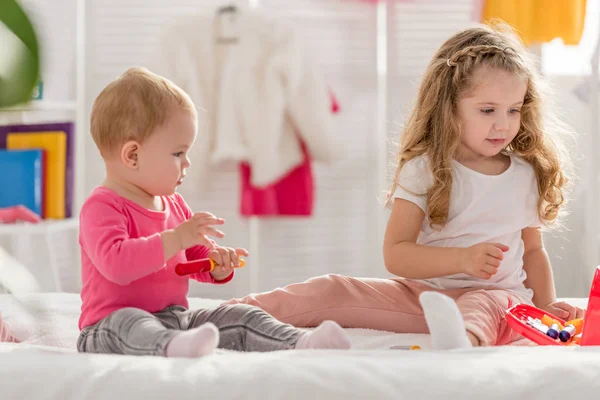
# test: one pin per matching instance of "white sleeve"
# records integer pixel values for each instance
(532, 216)
(532, 207)
(414, 181)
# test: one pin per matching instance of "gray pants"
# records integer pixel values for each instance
(137, 332)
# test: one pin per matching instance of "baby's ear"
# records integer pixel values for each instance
(129, 154)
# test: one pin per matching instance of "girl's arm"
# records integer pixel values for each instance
(403, 257)
(537, 265)
(539, 276)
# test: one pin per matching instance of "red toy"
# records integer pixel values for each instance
(591, 325)
(196, 266)
(519, 315)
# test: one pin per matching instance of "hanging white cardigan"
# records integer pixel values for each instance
(258, 93)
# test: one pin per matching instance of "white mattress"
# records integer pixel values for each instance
(47, 366)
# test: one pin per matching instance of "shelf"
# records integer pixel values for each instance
(42, 105)
(43, 227)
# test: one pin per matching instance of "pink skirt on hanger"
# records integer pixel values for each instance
(292, 195)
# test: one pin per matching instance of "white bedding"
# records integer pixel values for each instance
(47, 366)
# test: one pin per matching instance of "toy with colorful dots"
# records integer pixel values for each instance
(546, 329)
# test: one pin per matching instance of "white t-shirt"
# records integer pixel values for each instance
(483, 209)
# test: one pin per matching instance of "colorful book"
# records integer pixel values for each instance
(55, 145)
(69, 129)
(21, 179)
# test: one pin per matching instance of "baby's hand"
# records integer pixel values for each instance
(482, 260)
(226, 258)
(195, 231)
(564, 310)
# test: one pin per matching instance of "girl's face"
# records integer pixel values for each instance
(490, 112)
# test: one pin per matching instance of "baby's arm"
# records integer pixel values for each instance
(403, 257)
(197, 253)
(191, 234)
(204, 250)
(105, 240)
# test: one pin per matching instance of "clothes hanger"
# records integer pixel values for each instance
(227, 24)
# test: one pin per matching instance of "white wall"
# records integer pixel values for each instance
(566, 247)
(343, 236)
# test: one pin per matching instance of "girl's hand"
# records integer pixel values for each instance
(482, 260)
(226, 258)
(564, 310)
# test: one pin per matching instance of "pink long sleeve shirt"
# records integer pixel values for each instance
(122, 258)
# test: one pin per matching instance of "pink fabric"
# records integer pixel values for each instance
(10, 215)
(383, 1)
(335, 104)
(292, 195)
(384, 304)
(5, 335)
(122, 257)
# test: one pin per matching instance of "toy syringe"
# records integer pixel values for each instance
(197, 266)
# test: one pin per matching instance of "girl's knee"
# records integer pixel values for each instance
(328, 282)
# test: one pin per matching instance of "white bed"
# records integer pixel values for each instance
(46, 366)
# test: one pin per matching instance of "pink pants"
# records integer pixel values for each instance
(385, 304)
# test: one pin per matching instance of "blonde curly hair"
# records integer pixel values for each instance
(434, 129)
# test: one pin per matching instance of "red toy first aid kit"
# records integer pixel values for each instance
(546, 329)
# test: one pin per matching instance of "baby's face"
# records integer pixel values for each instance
(163, 158)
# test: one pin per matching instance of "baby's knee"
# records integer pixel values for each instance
(124, 316)
(239, 311)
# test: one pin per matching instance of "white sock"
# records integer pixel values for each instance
(445, 322)
(328, 335)
(196, 342)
